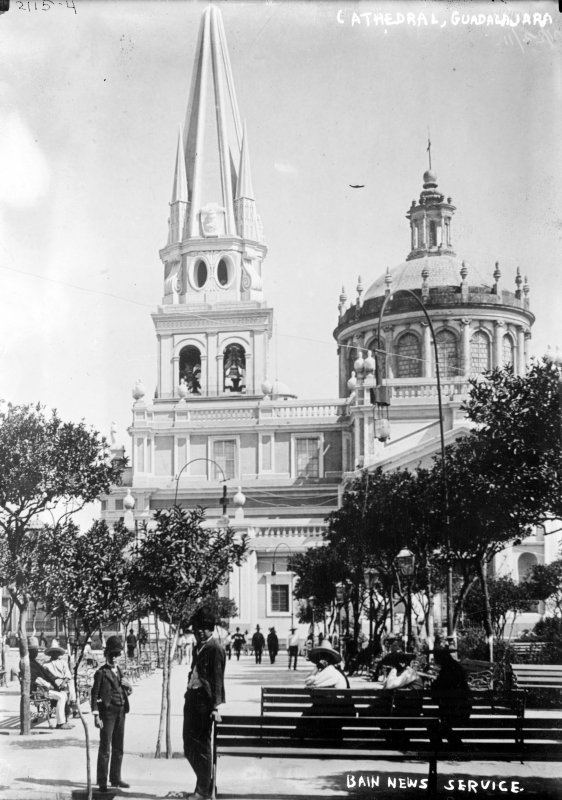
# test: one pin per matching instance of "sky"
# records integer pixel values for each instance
(90, 103)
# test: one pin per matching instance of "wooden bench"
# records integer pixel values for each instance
(371, 738)
(349, 738)
(284, 700)
(537, 676)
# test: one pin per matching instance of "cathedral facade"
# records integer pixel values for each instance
(218, 418)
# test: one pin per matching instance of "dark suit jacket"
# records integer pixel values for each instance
(107, 686)
(210, 661)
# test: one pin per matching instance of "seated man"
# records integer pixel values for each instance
(60, 671)
(41, 679)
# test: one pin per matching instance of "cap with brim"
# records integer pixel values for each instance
(114, 644)
(325, 651)
(55, 651)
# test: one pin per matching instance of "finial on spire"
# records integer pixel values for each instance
(429, 147)
(341, 304)
(464, 271)
(360, 291)
(388, 280)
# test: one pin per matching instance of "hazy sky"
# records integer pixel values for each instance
(90, 104)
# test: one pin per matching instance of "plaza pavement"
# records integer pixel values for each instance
(51, 764)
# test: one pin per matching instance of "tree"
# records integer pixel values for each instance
(181, 561)
(507, 598)
(544, 583)
(85, 580)
(43, 462)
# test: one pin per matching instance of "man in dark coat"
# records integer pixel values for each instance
(258, 643)
(205, 692)
(451, 691)
(272, 645)
(110, 703)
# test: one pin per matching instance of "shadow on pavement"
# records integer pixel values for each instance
(51, 743)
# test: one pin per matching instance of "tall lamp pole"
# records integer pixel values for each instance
(445, 485)
(405, 565)
(370, 573)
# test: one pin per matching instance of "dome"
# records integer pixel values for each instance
(430, 177)
(442, 270)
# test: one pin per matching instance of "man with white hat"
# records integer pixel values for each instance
(42, 679)
(59, 669)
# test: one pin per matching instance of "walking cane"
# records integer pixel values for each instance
(214, 768)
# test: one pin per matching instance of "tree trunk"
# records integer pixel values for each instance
(25, 671)
(429, 617)
(83, 720)
(171, 653)
(488, 627)
(164, 701)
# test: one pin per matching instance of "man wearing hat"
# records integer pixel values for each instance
(59, 669)
(258, 643)
(293, 647)
(205, 692)
(110, 703)
(40, 678)
(272, 645)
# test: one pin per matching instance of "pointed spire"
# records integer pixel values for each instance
(244, 187)
(179, 190)
(180, 198)
(360, 290)
(343, 300)
(518, 282)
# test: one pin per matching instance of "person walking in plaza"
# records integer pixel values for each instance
(293, 647)
(272, 645)
(205, 692)
(238, 642)
(258, 643)
(131, 644)
(110, 704)
(42, 679)
(450, 690)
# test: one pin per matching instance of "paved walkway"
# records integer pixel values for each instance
(51, 765)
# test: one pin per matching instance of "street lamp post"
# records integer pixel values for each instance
(312, 604)
(370, 574)
(405, 565)
(273, 573)
(445, 485)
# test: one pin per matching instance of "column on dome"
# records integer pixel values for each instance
(519, 364)
(499, 326)
(526, 349)
(465, 355)
(427, 351)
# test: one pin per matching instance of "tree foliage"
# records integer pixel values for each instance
(43, 462)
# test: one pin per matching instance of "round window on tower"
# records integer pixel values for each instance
(200, 274)
(224, 272)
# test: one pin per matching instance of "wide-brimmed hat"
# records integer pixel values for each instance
(325, 651)
(113, 644)
(55, 651)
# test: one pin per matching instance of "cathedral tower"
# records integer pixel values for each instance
(213, 326)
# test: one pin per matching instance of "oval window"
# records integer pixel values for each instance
(222, 272)
(200, 274)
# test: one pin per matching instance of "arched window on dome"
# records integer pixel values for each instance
(408, 361)
(479, 353)
(190, 368)
(234, 368)
(447, 349)
(508, 359)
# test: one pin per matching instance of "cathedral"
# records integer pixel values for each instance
(219, 431)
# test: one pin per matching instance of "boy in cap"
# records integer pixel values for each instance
(110, 703)
(205, 692)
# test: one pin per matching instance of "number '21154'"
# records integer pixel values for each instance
(44, 5)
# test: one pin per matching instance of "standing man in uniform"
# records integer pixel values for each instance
(110, 703)
(272, 645)
(205, 692)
